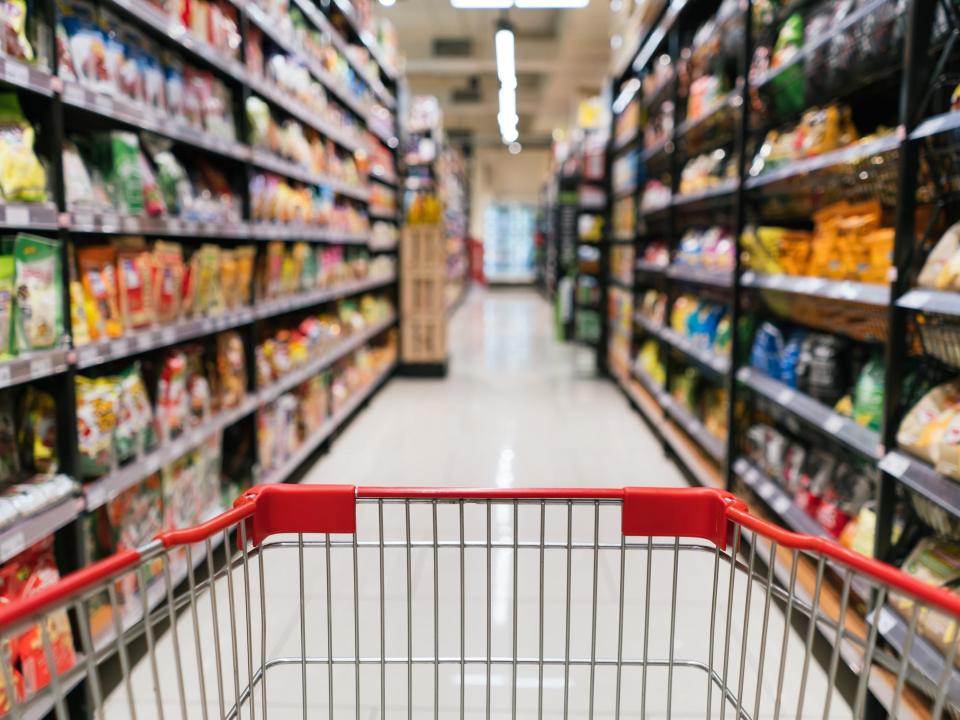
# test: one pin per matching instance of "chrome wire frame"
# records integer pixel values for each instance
(486, 608)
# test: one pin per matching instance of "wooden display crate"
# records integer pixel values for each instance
(424, 339)
(423, 248)
(423, 294)
(423, 280)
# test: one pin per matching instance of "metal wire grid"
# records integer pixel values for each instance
(492, 609)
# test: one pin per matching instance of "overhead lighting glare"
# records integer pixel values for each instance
(515, 148)
(510, 136)
(630, 89)
(504, 42)
(388, 3)
(482, 4)
(551, 4)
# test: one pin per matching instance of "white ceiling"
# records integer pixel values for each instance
(562, 58)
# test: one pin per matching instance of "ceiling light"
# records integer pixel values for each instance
(627, 94)
(505, 45)
(388, 3)
(510, 136)
(482, 4)
(514, 148)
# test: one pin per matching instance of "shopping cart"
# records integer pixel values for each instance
(337, 602)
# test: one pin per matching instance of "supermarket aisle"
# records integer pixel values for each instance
(518, 409)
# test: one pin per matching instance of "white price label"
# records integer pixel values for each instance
(16, 73)
(4, 375)
(12, 545)
(751, 477)
(885, 620)
(130, 224)
(109, 221)
(119, 347)
(173, 225)
(780, 504)
(82, 219)
(895, 464)
(17, 215)
(144, 341)
(785, 396)
(96, 496)
(775, 281)
(41, 366)
(103, 102)
(168, 336)
(73, 94)
(152, 463)
(919, 298)
(834, 424)
(765, 491)
(87, 355)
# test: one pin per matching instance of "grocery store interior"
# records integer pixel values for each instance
(480, 358)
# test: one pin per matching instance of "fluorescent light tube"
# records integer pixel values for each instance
(551, 4)
(482, 4)
(506, 59)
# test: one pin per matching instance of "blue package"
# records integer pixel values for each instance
(790, 358)
(767, 349)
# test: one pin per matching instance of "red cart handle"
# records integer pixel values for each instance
(646, 512)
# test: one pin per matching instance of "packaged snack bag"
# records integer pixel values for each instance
(76, 178)
(135, 419)
(922, 430)
(98, 275)
(231, 367)
(125, 172)
(939, 271)
(6, 303)
(173, 402)
(38, 308)
(98, 408)
(38, 432)
(134, 275)
(167, 281)
(128, 521)
(22, 177)
(868, 394)
(9, 447)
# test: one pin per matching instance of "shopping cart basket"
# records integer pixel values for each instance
(343, 602)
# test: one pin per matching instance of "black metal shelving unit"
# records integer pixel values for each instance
(64, 106)
(920, 152)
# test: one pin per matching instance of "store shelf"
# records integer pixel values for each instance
(836, 31)
(659, 33)
(846, 290)
(175, 33)
(283, 471)
(649, 153)
(279, 306)
(618, 194)
(937, 302)
(700, 275)
(621, 283)
(28, 216)
(26, 76)
(385, 178)
(297, 232)
(720, 190)
(140, 341)
(777, 499)
(729, 100)
(650, 268)
(936, 125)
(341, 349)
(31, 530)
(379, 214)
(625, 143)
(33, 366)
(843, 156)
(923, 479)
(290, 169)
(924, 656)
(139, 116)
(100, 491)
(653, 210)
(712, 445)
(111, 223)
(271, 92)
(705, 359)
(852, 435)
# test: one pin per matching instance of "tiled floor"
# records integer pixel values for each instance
(518, 410)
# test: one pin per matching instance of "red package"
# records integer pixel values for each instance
(831, 517)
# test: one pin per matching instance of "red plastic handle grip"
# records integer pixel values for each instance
(299, 509)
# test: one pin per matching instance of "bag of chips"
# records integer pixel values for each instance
(38, 308)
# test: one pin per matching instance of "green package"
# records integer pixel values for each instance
(6, 303)
(868, 394)
(127, 180)
(789, 85)
(38, 303)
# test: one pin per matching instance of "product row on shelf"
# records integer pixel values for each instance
(201, 207)
(782, 300)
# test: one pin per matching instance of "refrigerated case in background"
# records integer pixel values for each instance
(508, 243)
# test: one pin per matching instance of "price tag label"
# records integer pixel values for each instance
(144, 341)
(152, 463)
(834, 424)
(774, 281)
(130, 224)
(894, 464)
(173, 225)
(785, 396)
(96, 496)
(751, 477)
(41, 366)
(4, 375)
(17, 215)
(919, 299)
(73, 94)
(104, 103)
(82, 219)
(16, 73)
(12, 545)
(119, 348)
(765, 491)
(885, 620)
(87, 355)
(168, 336)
